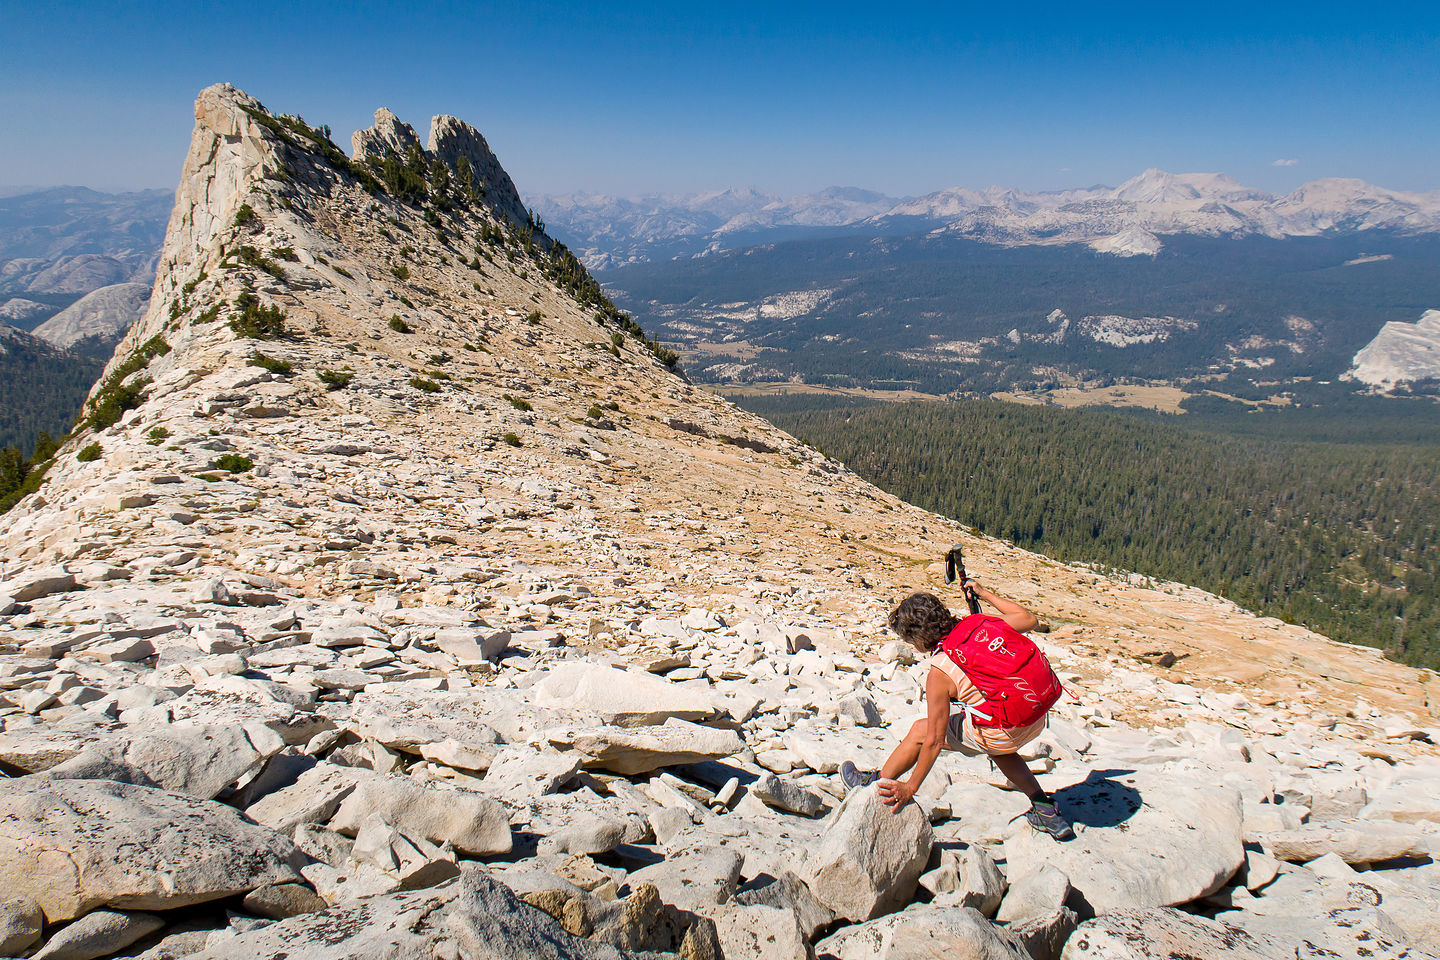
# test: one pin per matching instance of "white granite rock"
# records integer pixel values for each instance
(521, 772)
(696, 879)
(785, 794)
(622, 697)
(762, 933)
(923, 932)
(99, 934)
(1163, 934)
(198, 759)
(869, 857)
(473, 823)
(21, 921)
(1144, 840)
(1355, 841)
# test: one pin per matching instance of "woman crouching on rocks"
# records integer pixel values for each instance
(1003, 684)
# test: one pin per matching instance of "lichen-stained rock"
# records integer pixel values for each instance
(696, 879)
(1147, 840)
(473, 823)
(1164, 934)
(74, 845)
(626, 698)
(762, 933)
(1352, 932)
(640, 921)
(632, 751)
(924, 933)
(471, 918)
(869, 857)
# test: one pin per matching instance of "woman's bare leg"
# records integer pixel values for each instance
(1016, 772)
(903, 757)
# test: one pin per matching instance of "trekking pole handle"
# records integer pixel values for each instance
(955, 570)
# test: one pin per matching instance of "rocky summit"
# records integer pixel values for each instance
(396, 599)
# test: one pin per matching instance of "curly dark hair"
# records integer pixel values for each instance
(922, 620)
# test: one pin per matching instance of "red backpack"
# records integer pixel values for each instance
(1006, 666)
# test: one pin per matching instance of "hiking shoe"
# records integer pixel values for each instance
(853, 777)
(1046, 818)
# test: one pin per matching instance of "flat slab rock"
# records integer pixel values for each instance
(37, 748)
(198, 759)
(74, 845)
(1148, 840)
(473, 823)
(408, 720)
(633, 751)
(623, 697)
(1355, 841)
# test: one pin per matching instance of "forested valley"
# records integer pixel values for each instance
(1338, 537)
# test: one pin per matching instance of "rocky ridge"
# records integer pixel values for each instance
(507, 641)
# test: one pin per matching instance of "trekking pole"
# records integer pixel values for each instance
(955, 569)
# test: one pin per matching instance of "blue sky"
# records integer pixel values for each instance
(626, 97)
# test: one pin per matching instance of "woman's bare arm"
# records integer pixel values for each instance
(1011, 612)
(937, 719)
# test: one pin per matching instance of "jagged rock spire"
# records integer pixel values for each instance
(451, 139)
(389, 135)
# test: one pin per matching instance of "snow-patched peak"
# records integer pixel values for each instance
(1343, 194)
(1158, 187)
(832, 206)
(942, 204)
(1154, 204)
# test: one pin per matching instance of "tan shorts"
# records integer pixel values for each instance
(955, 738)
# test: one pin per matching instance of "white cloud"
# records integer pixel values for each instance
(1285, 163)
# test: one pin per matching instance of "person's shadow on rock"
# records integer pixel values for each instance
(1102, 799)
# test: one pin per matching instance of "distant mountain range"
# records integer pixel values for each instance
(76, 267)
(1129, 220)
(71, 240)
